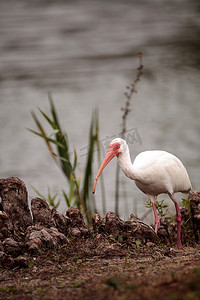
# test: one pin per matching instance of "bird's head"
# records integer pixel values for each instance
(116, 147)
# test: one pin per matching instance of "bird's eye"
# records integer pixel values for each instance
(117, 145)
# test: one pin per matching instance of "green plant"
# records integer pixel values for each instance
(161, 208)
(186, 203)
(127, 262)
(58, 145)
(51, 199)
(30, 263)
(120, 238)
(138, 243)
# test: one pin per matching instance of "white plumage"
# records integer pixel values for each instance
(154, 172)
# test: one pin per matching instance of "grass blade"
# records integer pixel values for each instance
(62, 139)
(46, 138)
(88, 169)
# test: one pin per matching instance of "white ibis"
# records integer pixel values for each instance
(154, 172)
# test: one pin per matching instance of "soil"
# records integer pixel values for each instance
(74, 272)
(47, 255)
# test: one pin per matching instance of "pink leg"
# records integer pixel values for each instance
(156, 217)
(178, 219)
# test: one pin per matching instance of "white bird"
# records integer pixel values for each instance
(154, 172)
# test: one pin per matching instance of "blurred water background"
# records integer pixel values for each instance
(85, 53)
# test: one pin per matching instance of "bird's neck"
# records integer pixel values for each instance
(126, 165)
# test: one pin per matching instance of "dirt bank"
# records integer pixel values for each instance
(47, 255)
(149, 272)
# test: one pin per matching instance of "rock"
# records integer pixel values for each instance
(42, 215)
(185, 216)
(40, 239)
(1, 246)
(98, 224)
(164, 231)
(195, 212)
(134, 217)
(59, 237)
(34, 247)
(37, 240)
(129, 231)
(21, 262)
(113, 224)
(47, 216)
(75, 223)
(5, 260)
(113, 236)
(12, 247)
(187, 233)
(138, 231)
(59, 220)
(15, 204)
(3, 255)
(6, 227)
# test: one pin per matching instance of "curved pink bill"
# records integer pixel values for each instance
(106, 160)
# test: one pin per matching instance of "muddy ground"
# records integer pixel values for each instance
(47, 255)
(146, 272)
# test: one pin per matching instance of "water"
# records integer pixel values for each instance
(84, 52)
